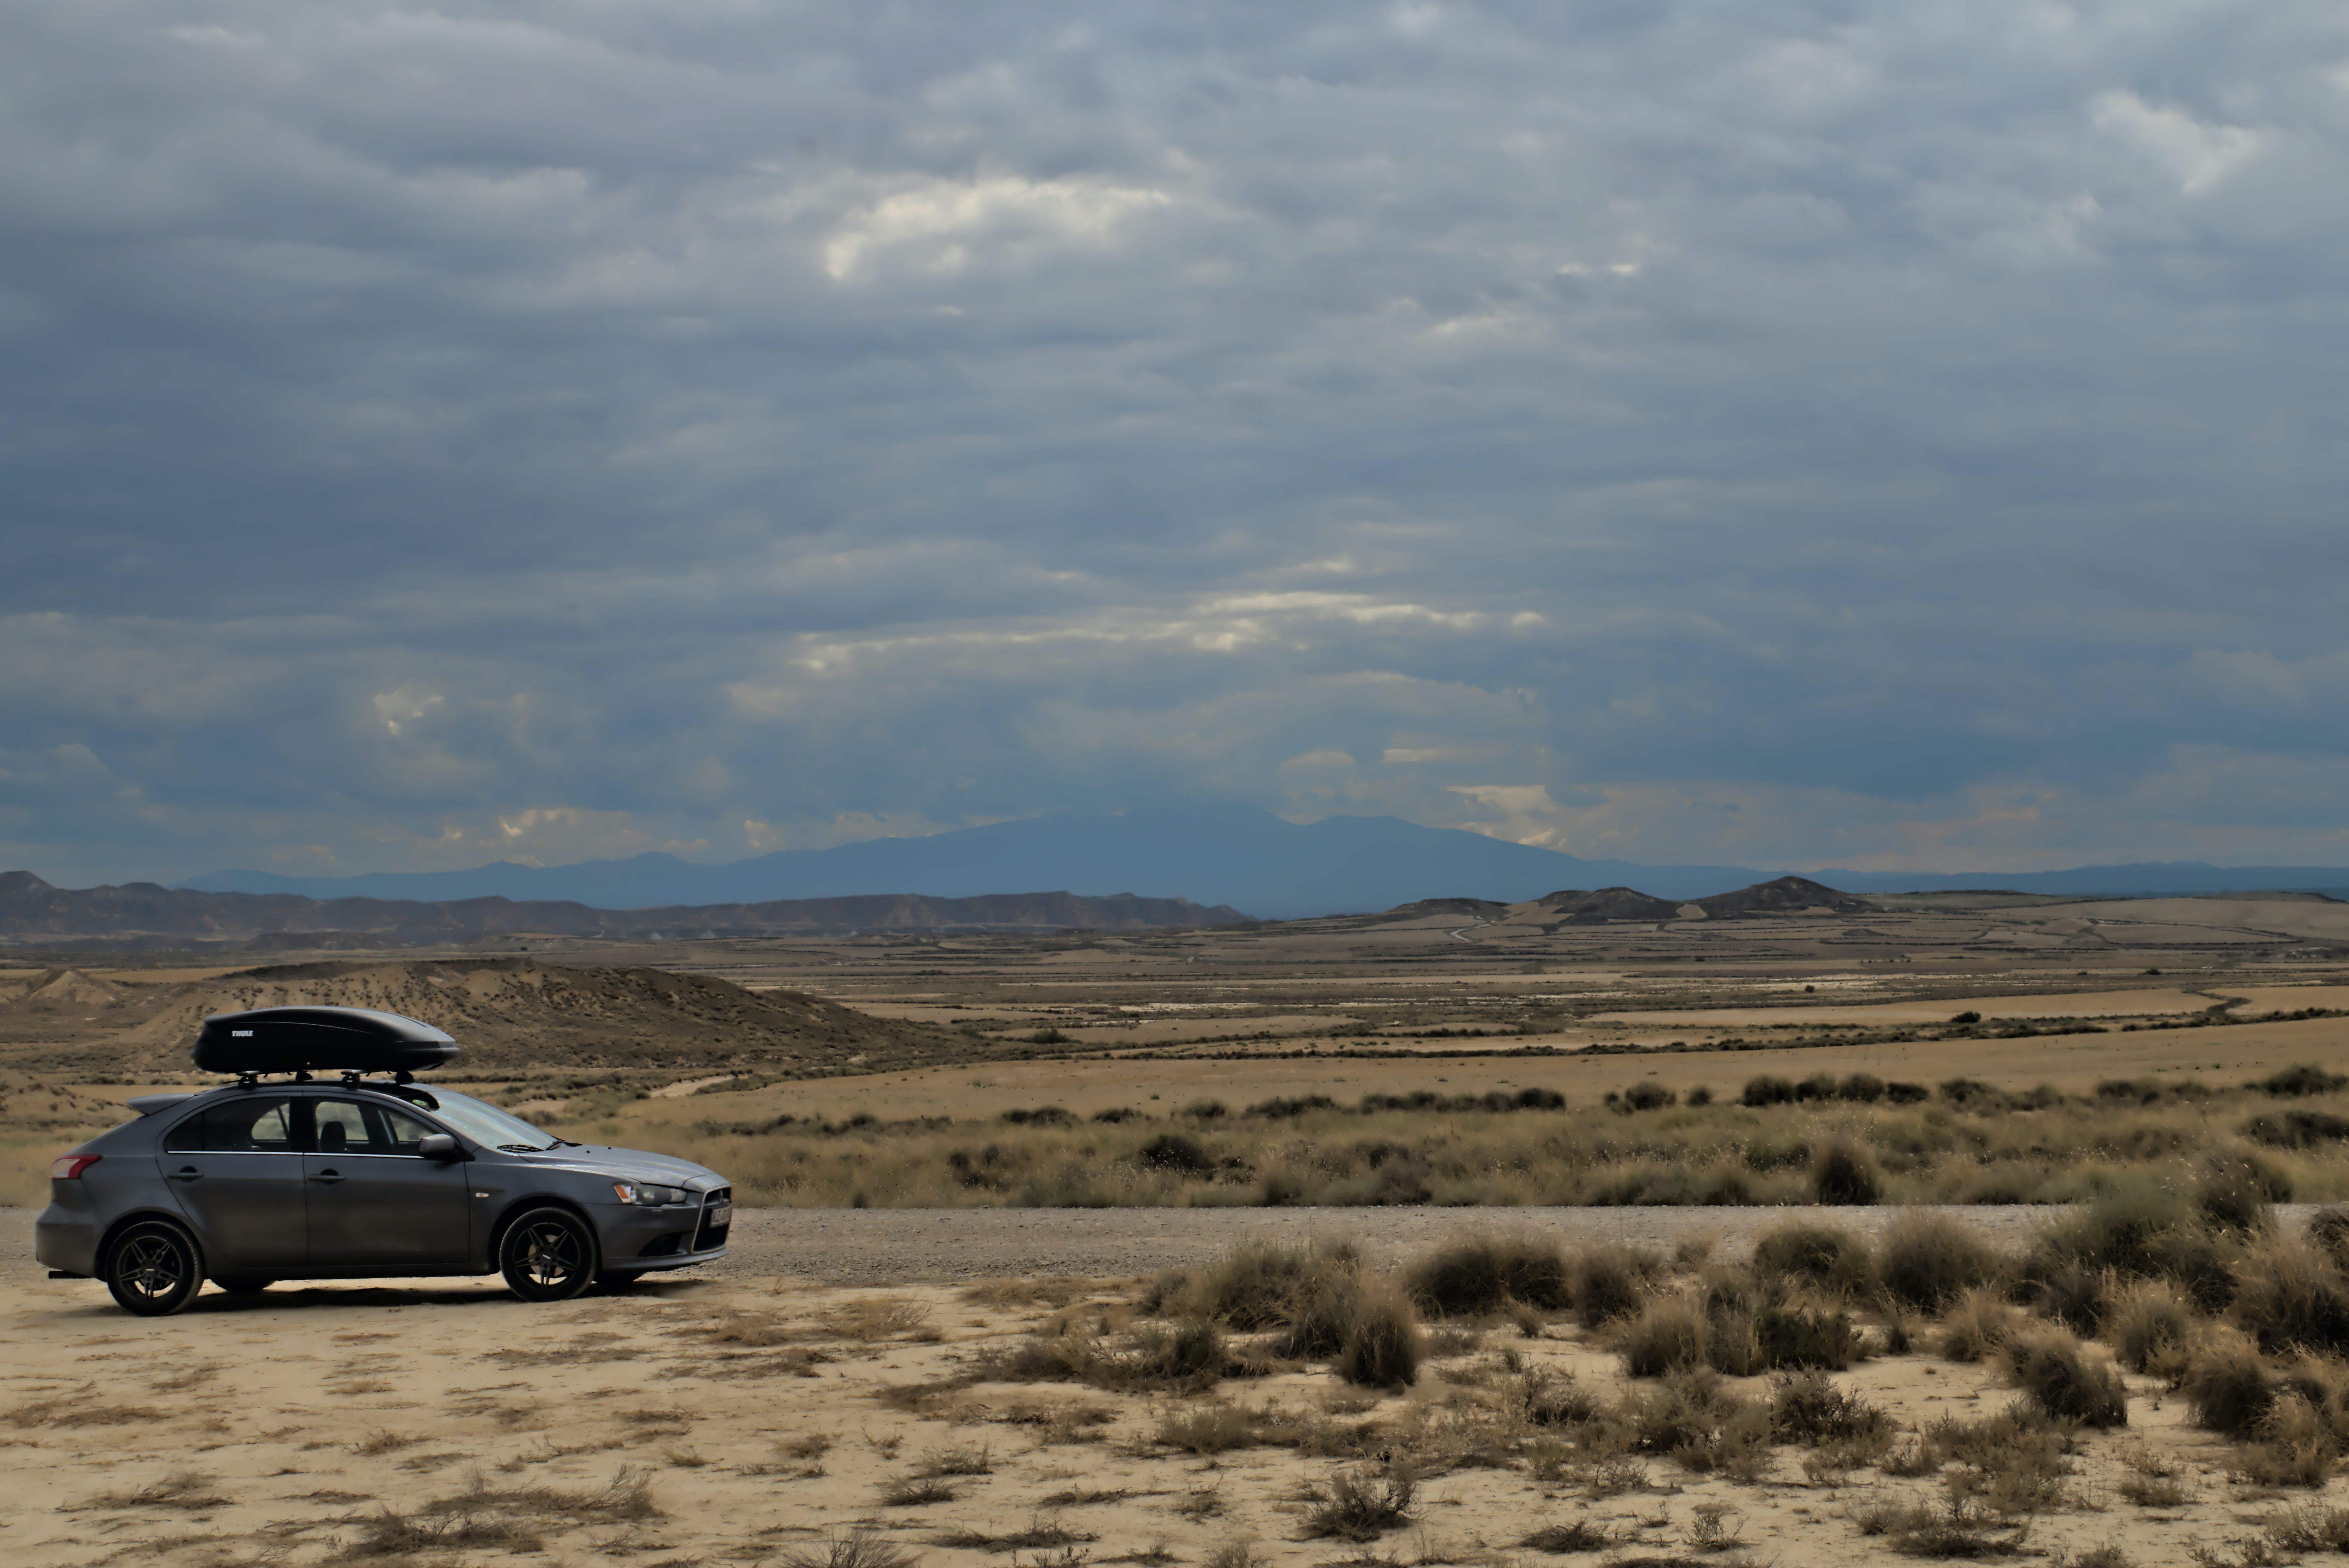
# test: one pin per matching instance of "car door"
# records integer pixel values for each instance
(374, 1201)
(235, 1167)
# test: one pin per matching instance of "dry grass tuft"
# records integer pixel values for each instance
(1925, 1262)
(187, 1492)
(1560, 1539)
(1489, 1272)
(2149, 1326)
(1977, 1326)
(861, 1548)
(2059, 1376)
(1043, 1534)
(1353, 1505)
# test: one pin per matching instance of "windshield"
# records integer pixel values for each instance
(486, 1124)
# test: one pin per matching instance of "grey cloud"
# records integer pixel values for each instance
(701, 416)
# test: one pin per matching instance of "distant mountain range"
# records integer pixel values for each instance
(1237, 856)
(30, 907)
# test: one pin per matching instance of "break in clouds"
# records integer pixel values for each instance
(1898, 435)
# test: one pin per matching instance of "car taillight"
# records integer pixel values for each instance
(69, 1166)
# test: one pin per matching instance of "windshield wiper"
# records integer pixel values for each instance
(523, 1147)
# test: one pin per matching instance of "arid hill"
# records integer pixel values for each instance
(31, 908)
(1609, 904)
(1787, 896)
(509, 1014)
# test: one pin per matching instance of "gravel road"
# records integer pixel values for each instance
(909, 1246)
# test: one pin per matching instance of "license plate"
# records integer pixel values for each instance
(718, 1215)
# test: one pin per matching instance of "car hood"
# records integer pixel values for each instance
(665, 1169)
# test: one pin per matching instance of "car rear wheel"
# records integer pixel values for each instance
(548, 1255)
(152, 1270)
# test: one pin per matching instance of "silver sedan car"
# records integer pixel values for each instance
(256, 1181)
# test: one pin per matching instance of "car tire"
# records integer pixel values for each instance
(241, 1285)
(153, 1269)
(548, 1255)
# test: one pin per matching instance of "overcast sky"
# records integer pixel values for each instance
(1904, 435)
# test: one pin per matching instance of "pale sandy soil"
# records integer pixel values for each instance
(276, 1429)
(2075, 1005)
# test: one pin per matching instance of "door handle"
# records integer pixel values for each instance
(187, 1173)
(329, 1177)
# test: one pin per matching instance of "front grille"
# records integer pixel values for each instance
(717, 1218)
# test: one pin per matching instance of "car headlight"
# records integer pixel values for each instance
(646, 1194)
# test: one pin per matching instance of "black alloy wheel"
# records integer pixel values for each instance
(548, 1255)
(152, 1270)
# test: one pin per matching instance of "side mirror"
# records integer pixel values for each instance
(439, 1146)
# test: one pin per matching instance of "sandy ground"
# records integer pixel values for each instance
(758, 1417)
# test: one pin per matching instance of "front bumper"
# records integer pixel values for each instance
(674, 1237)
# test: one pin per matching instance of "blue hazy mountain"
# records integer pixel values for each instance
(1239, 855)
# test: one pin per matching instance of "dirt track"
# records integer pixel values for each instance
(907, 1246)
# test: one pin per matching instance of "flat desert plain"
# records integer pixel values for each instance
(745, 1419)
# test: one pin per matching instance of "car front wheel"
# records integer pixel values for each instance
(152, 1270)
(548, 1255)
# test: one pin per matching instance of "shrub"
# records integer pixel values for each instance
(1767, 1090)
(1833, 1259)
(1609, 1283)
(2227, 1390)
(1258, 1285)
(1804, 1338)
(2238, 1192)
(1817, 1086)
(2293, 1083)
(1287, 1108)
(1669, 1336)
(2297, 1130)
(1901, 1094)
(1807, 1407)
(2130, 1229)
(1843, 1172)
(2059, 1378)
(1355, 1506)
(2329, 1228)
(1383, 1345)
(1977, 1325)
(2148, 1325)
(1178, 1152)
(1648, 1097)
(1206, 1110)
(1926, 1261)
(1484, 1272)
(2289, 1296)
(1865, 1087)
(1700, 1096)
(1194, 1353)
(2076, 1296)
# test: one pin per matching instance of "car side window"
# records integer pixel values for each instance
(341, 1127)
(257, 1126)
(354, 1126)
(402, 1131)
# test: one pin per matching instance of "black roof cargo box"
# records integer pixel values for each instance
(319, 1040)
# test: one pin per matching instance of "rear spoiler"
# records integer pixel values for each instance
(147, 1105)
